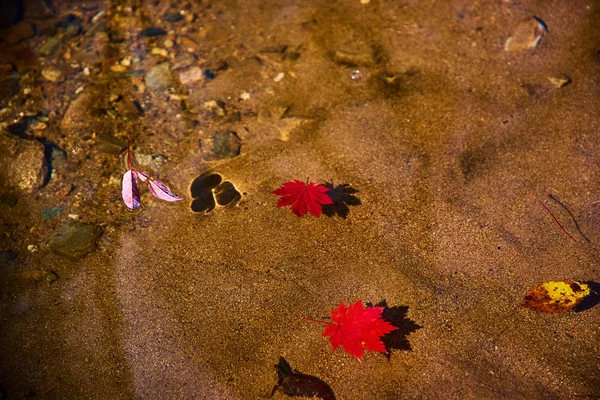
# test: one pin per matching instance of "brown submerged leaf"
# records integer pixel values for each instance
(294, 384)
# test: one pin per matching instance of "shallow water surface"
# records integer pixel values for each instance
(417, 105)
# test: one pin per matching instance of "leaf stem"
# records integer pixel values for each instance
(316, 320)
(129, 153)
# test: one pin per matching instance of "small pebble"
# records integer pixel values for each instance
(160, 78)
(118, 68)
(191, 75)
(126, 61)
(279, 77)
(559, 81)
(527, 35)
(53, 74)
(184, 60)
(172, 17)
(187, 43)
(86, 71)
(79, 90)
(37, 125)
(189, 17)
(159, 51)
(168, 43)
(20, 31)
(74, 216)
(32, 248)
(154, 31)
(50, 46)
(356, 74)
(98, 16)
(208, 74)
(245, 96)
(214, 107)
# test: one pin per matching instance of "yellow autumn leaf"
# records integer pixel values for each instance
(556, 296)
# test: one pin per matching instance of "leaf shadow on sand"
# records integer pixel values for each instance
(592, 299)
(342, 197)
(397, 340)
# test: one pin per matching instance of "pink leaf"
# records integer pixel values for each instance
(162, 191)
(131, 192)
(142, 175)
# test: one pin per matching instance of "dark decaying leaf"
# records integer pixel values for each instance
(206, 187)
(226, 194)
(342, 196)
(294, 383)
(205, 201)
(397, 340)
(204, 183)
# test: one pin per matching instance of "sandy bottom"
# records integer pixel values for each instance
(443, 133)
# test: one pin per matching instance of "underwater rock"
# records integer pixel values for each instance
(160, 78)
(38, 9)
(38, 276)
(53, 74)
(355, 59)
(79, 116)
(106, 143)
(72, 24)
(75, 240)
(25, 166)
(559, 81)
(226, 144)
(10, 87)
(188, 44)
(58, 157)
(51, 212)
(153, 161)
(128, 109)
(191, 75)
(22, 30)
(527, 35)
(184, 60)
(49, 47)
(172, 17)
(215, 108)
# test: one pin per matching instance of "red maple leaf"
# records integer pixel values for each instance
(303, 197)
(357, 329)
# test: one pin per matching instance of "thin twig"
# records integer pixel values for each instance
(552, 215)
(571, 214)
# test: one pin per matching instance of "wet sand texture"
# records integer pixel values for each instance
(415, 104)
